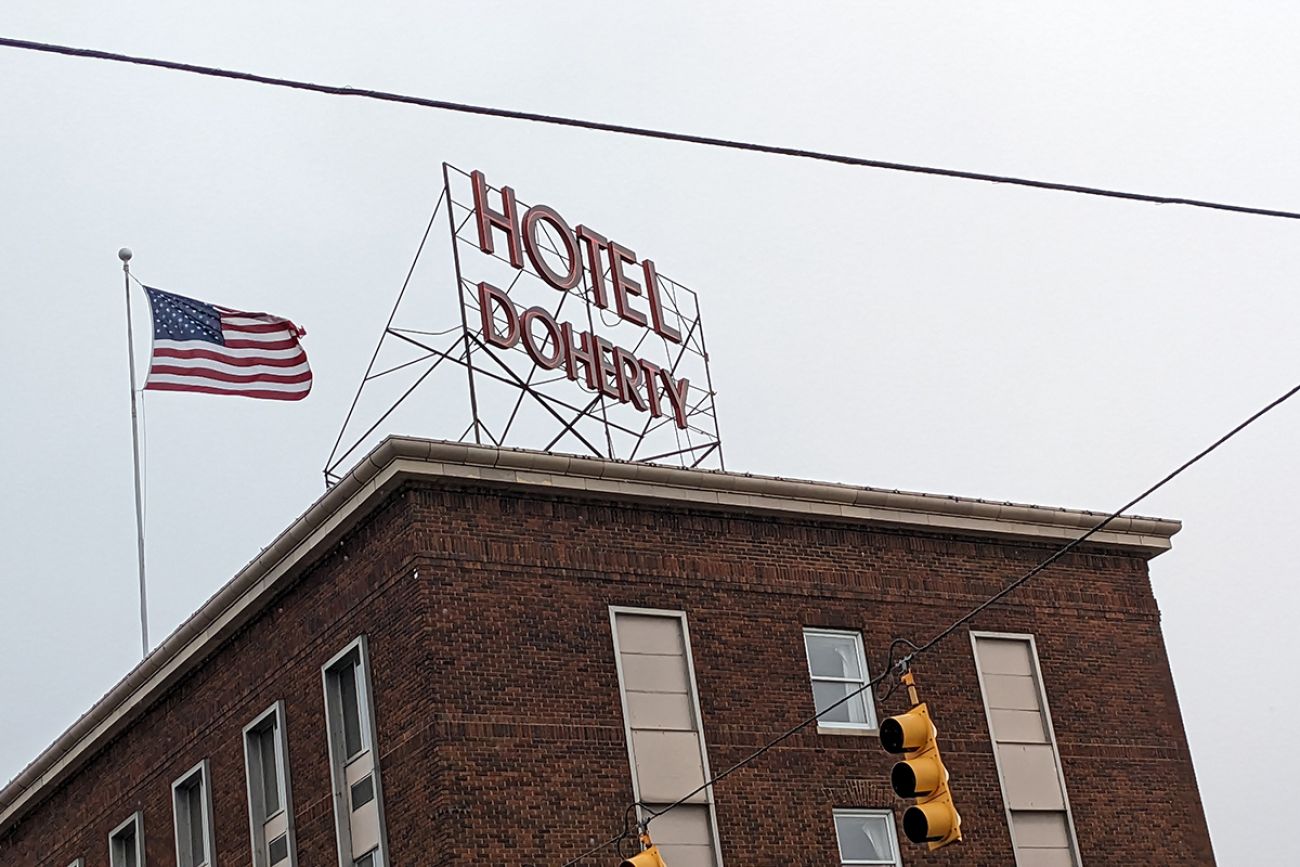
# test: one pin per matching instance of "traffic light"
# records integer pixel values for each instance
(648, 858)
(933, 820)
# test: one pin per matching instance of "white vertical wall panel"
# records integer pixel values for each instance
(665, 741)
(1033, 786)
(685, 837)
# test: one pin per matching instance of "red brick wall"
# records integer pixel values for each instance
(499, 722)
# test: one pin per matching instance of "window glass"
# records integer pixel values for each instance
(350, 699)
(278, 851)
(363, 792)
(266, 758)
(851, 712)
(191, 839)
(866, 837)
(837, 667)
(124, 849)
(833, 656)
(194, 807)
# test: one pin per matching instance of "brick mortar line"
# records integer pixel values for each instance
(728, 512)
(680, 580)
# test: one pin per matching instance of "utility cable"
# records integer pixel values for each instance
(902, 663)
(643, 132)
(617, 839)
(1097, 528)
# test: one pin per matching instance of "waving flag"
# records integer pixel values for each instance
(215, 350)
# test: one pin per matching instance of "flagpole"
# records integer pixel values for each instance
(125, 255)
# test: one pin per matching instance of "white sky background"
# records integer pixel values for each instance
(865, 326)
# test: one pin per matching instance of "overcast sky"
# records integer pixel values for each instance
(865, 326)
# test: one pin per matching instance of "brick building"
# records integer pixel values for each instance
(470, 656)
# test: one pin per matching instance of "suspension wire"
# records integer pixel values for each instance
(642, 132)
(629, 830)
(901, 664)
(612, 841)
(1097, 528)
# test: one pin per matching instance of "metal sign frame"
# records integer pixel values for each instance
(506, 384)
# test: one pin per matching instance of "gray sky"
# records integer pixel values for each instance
(865, 326)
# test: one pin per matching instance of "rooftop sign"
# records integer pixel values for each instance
(609, 276)
(567, 340)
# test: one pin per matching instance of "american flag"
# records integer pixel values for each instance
(215, 350)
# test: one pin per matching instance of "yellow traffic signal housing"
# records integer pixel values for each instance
(648, 858)
(933, 820)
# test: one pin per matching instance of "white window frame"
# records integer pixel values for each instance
(1051, 734)
(614, 611)
(205, 814)
(868, 696)
(257, 835)
(855, 812)
(339, 762)
(136, 823)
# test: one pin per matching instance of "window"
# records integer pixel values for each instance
(665, 740)
(1024, 749)
(126, 843)
(354, 768)
(866, 837)
(350, 683)
(838, 667)
(270, 812)
(192, 806)
(270, 763)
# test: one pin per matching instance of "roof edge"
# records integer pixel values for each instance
(744, 491)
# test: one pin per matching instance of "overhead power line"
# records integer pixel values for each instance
(893, 664)
(643, 132)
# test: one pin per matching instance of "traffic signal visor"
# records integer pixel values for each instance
(908, 732)
(934, 822)
(918, 778)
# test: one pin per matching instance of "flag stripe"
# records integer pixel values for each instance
(216, 370)
(265, 394)
(239, 316)
(170, 379)
(289, 343)
(275, 332)
(175, 348)
(225, 376)
(289, 358)
(255, 327)
(204, 367)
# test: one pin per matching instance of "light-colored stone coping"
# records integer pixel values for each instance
(743, 492)
(400, 459)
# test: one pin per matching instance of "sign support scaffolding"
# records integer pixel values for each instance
(519, 392)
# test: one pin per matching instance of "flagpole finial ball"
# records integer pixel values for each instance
(124, 254)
